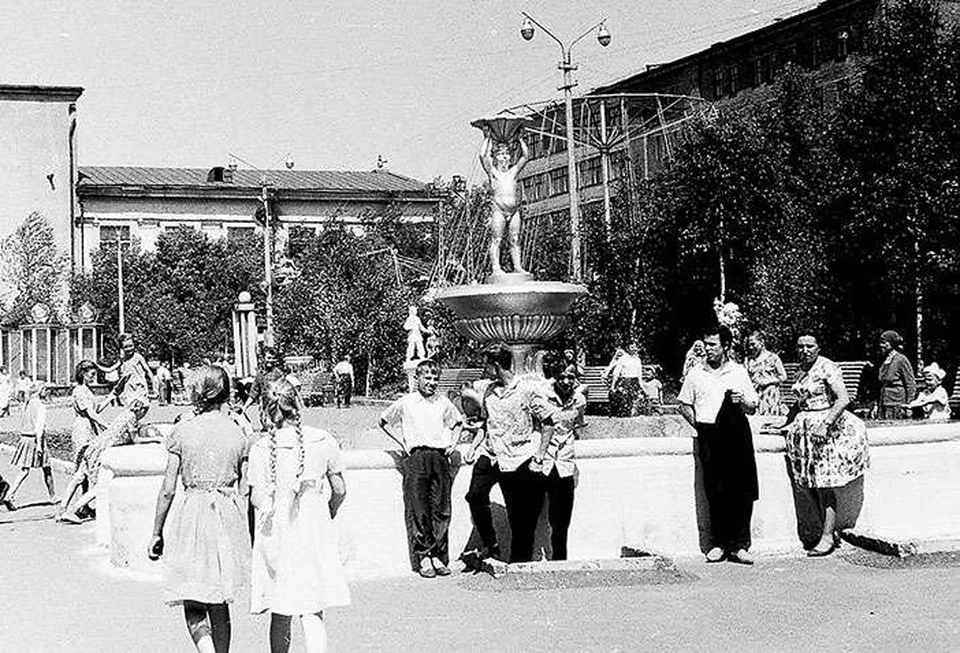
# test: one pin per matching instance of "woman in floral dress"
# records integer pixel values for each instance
(827, 452)
(767, 373)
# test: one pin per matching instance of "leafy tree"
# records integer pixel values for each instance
(33, 269)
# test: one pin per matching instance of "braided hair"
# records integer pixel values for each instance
(279, 404)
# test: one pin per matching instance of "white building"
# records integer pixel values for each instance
(134, 202)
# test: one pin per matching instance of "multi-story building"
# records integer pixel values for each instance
(645, 111)
(124, 203)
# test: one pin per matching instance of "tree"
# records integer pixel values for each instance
(34, 271)
(899, 140)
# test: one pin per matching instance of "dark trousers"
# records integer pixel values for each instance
(729, 477)
(484, 477)
(344, 390)
(523, 493)
(427, 485)
(559, 492)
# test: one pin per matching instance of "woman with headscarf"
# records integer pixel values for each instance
(827, 452)
(895, 378)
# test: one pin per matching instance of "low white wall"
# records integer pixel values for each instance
(637, 492)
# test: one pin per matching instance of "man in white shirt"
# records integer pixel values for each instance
(430, 426)
(625, 378)
(343, 381)
(715, 399)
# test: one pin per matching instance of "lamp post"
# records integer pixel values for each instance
(267, 263)
(567, 67)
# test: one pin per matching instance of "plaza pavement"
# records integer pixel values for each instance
(59, 593)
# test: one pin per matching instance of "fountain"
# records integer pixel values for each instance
(510, 308)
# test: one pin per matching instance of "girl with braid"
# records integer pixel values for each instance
(296, 485)
(205, 548)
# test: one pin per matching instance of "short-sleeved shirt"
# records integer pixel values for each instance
(426, 421)
(511, 430)
(567, 423)
(704, 389)
(935, 403)
(628, 367)
(261, 382)
(211, 447)
(343, 368)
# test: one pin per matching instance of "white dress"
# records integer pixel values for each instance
(296, 569)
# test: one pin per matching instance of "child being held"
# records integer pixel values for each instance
(430, 426)
(933, 400)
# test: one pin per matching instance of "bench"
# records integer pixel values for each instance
(317, 388)
(955, 395)
(453, 377)
(852, 371)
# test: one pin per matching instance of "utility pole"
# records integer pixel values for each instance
(267, 263)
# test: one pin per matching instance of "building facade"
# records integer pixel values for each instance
(125, 203)
(645, 112)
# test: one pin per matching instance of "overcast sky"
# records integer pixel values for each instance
(333, 84)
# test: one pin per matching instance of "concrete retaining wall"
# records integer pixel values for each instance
(637, 492)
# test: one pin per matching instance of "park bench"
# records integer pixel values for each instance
(317, 389)
(453, 377)
(852, 371)
(955, 395)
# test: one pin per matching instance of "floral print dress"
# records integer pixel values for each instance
(819, 456)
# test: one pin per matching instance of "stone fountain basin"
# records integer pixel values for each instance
(533, 311)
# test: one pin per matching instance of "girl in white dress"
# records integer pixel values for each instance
(297, 486)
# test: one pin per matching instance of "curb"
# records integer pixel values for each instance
(899, 548)
(652, 564)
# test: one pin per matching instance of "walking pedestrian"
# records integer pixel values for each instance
(297, 487)
(343, 381)
(205, 548)
(898, 385)
(32, 451)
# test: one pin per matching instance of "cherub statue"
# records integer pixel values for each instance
(495, 159)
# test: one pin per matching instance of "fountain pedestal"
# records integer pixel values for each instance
(523, 316)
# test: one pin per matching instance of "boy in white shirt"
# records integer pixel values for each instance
(430, 426)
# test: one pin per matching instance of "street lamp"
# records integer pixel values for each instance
(527, 31)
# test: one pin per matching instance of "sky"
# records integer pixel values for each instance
(334, 84)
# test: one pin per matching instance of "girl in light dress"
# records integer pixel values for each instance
(205, 547)
(32, 448)
(297, 486)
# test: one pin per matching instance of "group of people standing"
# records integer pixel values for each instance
(521, 432)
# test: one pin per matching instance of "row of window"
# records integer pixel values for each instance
(556, 182)
(111, 234)
(808, 53)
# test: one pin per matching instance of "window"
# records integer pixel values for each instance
(815, 53)
(240, 233)
(558, 181)
(766, 69)
(299, 240)
(843, 38)
(5, 349)
(733, 80)
(717, 84)
(111, 235)
(591, 172)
